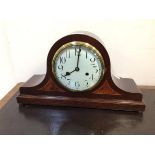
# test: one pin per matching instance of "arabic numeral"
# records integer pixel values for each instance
(68, 81)
(77, 50)
(86, 82)
(77, 84)
(92, 59)
(67, 54)
(60, 67)
(62, 60)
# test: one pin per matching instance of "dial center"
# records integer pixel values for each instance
(77, 69)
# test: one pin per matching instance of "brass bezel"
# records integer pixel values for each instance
(87, 45)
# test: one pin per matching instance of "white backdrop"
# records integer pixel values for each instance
(131, 45)
(28, 32)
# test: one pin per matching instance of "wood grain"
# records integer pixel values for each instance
(15, 89)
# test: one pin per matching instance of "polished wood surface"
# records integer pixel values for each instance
(111, 93)
(102, 101)
(15, 119)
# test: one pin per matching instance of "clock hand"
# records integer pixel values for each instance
(68, 73)
(77, 66)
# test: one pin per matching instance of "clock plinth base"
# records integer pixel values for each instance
(85, 102)
(127, 105)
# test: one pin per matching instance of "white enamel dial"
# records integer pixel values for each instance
(78, 66)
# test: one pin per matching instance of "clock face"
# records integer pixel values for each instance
(78, 66)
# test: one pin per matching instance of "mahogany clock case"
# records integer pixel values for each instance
(111, 93)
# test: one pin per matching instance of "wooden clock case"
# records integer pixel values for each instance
(111, 93)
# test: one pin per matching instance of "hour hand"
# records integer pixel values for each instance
(69, 73)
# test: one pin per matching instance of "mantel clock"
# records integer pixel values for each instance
(79, 75)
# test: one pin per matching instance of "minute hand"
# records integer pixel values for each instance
(77, 66)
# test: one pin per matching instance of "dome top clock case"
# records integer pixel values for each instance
(79, 75)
